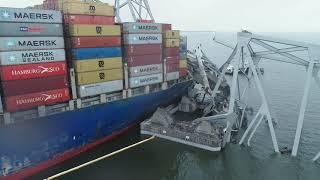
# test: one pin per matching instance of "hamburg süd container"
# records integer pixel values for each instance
(88, 19)
(30, 15)
(171, 34)
(85, 78)
(98, 64)
(142, 39)
(183, 55)
(145, 80)
(183, 72)
(30, 43)
(141, 28)
(171, 52)
(30, 71)
(30, 57)
(172, 59)
(94, 30)
(28, 101)
(28, 86)
(171, 43)
(183, 64)
(99, 88)
(95, 53)
(30, 29)
(93, 42)
(142, 49)
(143, 60)
(145, 70)
(172, 67)
(88, 8)
(172, 76)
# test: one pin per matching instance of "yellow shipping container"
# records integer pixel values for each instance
(183, 64)
(170, 43)
(172, 34)
(98, 64)
(94, 30)
(88, 8)
(99, 76)
(61, 2)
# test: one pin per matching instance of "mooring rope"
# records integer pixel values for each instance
(99, 159)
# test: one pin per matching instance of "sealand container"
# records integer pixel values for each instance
(172, 76)
(91, 42)
(93, 30)
(29, 15)
(143, 60)
(98, 64)
(88, 8)
(183, 72)
(99, 88)
(171, 52)
(30, 43)
(166, 27)
(142, 49)
(92, 77)
(31, 71)
(141, 28)
(171, 43)
(183, 55)
(28, 86)
(145, 70)
(88, 19)
(31, 57)
(142, 39)
(183, 64)
(172, 59)
(29, 101)
(172, 67)
(30, 29)
(171, 34)
(145, 80)
(95, 53)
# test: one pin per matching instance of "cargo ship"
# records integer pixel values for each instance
(72, 78)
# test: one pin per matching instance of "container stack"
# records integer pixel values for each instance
(171, 55)
(32, 58)
(143, 53)
(183, 71)
(95, 45)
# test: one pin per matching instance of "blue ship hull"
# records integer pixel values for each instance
(29, 147)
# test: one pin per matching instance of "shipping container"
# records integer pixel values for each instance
(99, 88)
(183, 44)
(183, 64)
(29, 57)
(166, 27)
(183, 55)
(31, 71)
(145, 80)
(98, 64)
(171, 52)
(28, 86)
(172, 76)
(172, 67)
(94, 30)
(142, 39)
(171, 43)
(141, 28)
(92, 42)
(29, 15)
(30, 43)
(142, 49)
(173, 59)
(88, 8)
(145, 70)
(171, 34)
(88, 19)
(93, 77)
(30, 29)
(95, 53)
(143, 60)
(183, 72)
(28, 101)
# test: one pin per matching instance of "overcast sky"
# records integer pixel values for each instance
(228, 15)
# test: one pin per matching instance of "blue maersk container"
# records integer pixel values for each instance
(95, 53)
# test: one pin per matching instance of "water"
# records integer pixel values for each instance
(164, 160)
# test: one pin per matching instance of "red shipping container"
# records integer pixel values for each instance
(142, 49)
(90, 42)
(87, 19)
(28, 101)
(28, 86)
(31, 71)
(183, 72)
(143, 60)
(171, 52)
(172, 67)
(166, 27)
(173, 59)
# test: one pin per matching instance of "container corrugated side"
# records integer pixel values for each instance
(172, 76)
(171, 43)
(30, 43)
(94, 30)
(93, 77)
(95, 53)
(145, 80)
(88, 8)
(141, 28)
(99, 88)
(142, 49)
(171, 34)
(145, 70)
(172, 67)
(171, 52)
(88, 19)
(29, 15)
(143, 60)
(30, 29)
(183, 64)
(183, 43)
(173, 59)
(30, 57)
(93, 42)
(142, 39)
(166, 27)
(98, 64)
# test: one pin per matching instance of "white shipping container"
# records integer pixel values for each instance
(145, 80)
(30, 43)
(99, 88)
(145, 70)
(142, 39)
(172, 76)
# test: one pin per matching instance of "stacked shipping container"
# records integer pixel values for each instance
(183, 56)
(95, 45)
(171, 54)
(32, 58)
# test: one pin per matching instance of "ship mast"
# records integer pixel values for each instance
(139, 9)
